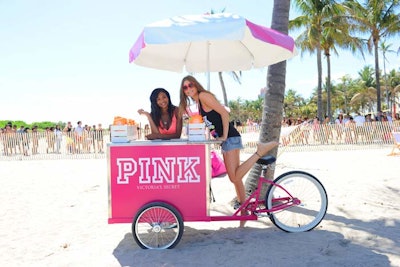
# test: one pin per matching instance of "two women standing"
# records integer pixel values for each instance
(215, 115)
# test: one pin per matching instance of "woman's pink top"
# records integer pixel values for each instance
(172, 127)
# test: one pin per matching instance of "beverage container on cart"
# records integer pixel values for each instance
(196, 128)
(123, 130)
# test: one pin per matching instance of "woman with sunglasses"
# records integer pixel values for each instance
(216, 116)
(164, 119)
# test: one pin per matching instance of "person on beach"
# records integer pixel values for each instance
(58, 138)
(215, 114)
(98, 136)
(69, 131)
(164, 119)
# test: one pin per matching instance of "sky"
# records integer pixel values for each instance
(68, 60)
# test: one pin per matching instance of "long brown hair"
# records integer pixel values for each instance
(185, 100)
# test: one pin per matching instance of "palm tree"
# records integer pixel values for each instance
(274, 94)
(393, 82)
(308, 110)
(364, 94)
(316, 14)
(236, 77)
(364, 100)
(343, 93)
(378, 19)
(386, 49)
(336, 33)
(366, 74)
(236, 108)
(336, 99)
(292, 104)
(252, 109)
(396, 90)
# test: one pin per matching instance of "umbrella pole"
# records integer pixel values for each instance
(208, 65)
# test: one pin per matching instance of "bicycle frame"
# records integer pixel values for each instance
(253, 203)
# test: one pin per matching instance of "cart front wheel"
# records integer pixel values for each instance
(157, 225)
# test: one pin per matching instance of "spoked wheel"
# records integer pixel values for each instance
(157, 226)
(309, 204)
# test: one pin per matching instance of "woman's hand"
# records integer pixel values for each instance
(151, 136)
(143, 112)
(154, 136)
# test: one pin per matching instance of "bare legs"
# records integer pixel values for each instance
(237, 171)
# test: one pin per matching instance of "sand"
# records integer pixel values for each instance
(54, 213)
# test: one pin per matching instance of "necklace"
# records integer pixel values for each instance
(165, 119)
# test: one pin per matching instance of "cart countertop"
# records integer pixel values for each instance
(164, 142)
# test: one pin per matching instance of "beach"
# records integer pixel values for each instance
(54, 213)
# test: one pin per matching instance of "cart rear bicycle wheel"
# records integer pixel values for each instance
(310, 201)
(157, 225)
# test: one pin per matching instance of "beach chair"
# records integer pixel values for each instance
(396, 139)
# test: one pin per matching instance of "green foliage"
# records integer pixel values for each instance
(348, 95)
(40, 125)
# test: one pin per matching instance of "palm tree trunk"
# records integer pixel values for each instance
(328, 88)
(377, 78)
(274, 96)
(319, 90)
(221, 81)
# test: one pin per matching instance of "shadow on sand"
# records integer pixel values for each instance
(252, 247)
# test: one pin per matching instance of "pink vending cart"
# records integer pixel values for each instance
(157, 185)
(148, 180)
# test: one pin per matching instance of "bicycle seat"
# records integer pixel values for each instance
(266, 160)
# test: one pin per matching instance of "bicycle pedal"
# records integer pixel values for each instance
(236, 205)
(261, 214)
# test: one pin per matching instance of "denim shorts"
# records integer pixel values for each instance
(232, 143)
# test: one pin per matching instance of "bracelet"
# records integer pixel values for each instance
(257, 154)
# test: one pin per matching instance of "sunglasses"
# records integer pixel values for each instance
(185, 87)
